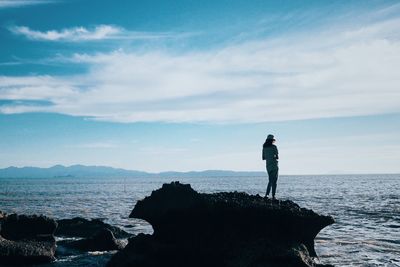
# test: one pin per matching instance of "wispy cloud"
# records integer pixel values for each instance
(96, 145)
(332, 73)
(73, 34)
(163, 150)
(78, 34)
(21, 3)
(13, 63)
(328, 150)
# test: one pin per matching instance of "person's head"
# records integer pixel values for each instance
(270, 140)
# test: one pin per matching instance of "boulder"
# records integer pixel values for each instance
(102, 241)
(26, 252)
(2, 217)
(23, 227)
(222, 229)
(81, 227)
(27, 239)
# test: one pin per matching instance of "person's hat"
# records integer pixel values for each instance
(270, 137)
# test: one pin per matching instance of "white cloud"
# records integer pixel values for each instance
(96, 145)
(20, 3)
(80, 34)
(72, 35)
(327, 74)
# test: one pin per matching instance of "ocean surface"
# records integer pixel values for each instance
(366, 208)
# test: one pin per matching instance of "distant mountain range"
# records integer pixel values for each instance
(82, 171)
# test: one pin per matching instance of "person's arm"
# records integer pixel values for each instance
(263, 155)
(276, 153)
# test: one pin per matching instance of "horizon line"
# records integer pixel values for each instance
(204, 170)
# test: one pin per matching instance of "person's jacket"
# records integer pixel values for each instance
(270, 154)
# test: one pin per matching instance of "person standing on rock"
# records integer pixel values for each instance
(270, 155)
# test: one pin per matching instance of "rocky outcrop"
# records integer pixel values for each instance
(27, 239)
(102, 241)
(32, 227)
(81, 227)
(3, 215)
(30, 239)
(222, 229)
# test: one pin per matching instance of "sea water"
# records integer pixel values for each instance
(366, 208)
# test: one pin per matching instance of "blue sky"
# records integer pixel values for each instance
(195, 85)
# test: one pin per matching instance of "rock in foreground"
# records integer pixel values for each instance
(81, 227)
(27, 239)
(102, 241)
(223, 229)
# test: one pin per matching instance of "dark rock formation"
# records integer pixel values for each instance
(101, 241)
(80, 227)
(27, 239)
(222, 229)
(22, 227)
(2, 217)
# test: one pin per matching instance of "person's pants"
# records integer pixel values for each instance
(272, 179)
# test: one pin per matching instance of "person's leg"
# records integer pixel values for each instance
(274, 180)
(269, 182)
(268, 188)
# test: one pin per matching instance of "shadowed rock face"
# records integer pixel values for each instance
(223, 229)
(22, 227)
(81, 227)
(101, 241)
(27, 239)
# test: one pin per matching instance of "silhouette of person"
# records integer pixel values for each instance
(270, 154)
